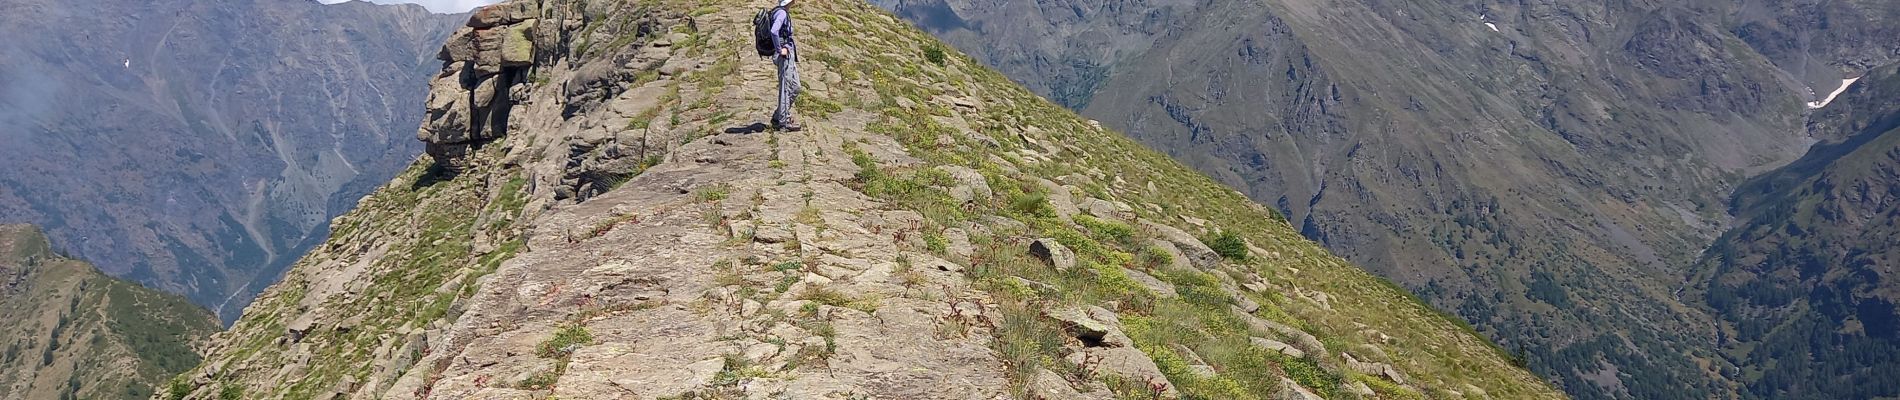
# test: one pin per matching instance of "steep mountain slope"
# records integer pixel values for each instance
(201, 146)
(74, 333)
(597, 224)
(1548, 170)
(1805, 283)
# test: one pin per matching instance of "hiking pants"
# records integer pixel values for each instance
(787, 88)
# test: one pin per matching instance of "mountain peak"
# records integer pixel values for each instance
(601, 217)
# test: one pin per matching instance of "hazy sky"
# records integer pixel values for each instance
(441, 6)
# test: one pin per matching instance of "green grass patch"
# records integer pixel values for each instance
(564, 342)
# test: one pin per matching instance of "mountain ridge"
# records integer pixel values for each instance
(74, 333)
(599, 218)
(1802, 283)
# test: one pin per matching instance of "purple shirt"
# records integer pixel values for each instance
(781, 22)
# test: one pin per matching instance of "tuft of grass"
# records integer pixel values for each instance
(834, 298)
(738, 369)
(564, 342)
(541, 381)
(1032, 204)
(713, 193)
(936, 243)
(601, 228)
(1115, 231)
(786, 283)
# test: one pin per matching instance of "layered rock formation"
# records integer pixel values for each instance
(628, 234)
(484, 74)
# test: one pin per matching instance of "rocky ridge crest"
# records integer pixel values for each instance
(606, 227)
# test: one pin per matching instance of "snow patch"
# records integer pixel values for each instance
(1830, 96)
(1494, 27)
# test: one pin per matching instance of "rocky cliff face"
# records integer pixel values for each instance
(202, 146)
(1549, 171)
(614, 226)
(74, 333)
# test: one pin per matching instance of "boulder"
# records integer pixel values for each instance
(446, 114)
(451, 156)
(1302, 340)
(970, 184)
(1197, 253)
(1178, 259)
(1054, 253)
(1128, 364)
(1106, 209)
(1373, 368)
(1278, 346)
(1186, 353)
(1059, 198)
(483, 95)
(957, 244)
(517, 44)
(1290, 390)
(300, 327)
(1045, 385)
(1158, 286)
(459, 47)
(503, 14)
(1241, 300)
(1105, 349)
(1361, 389)
(1093, 326)
(487, 60)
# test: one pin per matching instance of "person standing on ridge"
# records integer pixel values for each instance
(774, 26)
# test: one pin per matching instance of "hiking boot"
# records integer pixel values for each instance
(788, 126)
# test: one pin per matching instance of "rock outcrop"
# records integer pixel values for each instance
(1100, 347)
(485, 73)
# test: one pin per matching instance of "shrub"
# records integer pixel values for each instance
(1228, 244)
(934, 54)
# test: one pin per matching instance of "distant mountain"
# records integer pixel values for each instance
(74, 333)
(200, 146)
(1548, 170)
(1806, 283)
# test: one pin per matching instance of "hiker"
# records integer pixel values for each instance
(774, 27)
